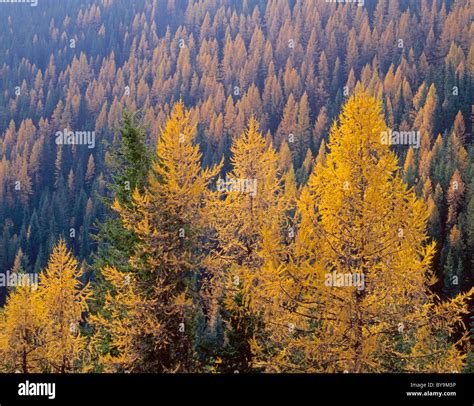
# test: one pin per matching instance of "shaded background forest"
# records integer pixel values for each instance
(78, 64)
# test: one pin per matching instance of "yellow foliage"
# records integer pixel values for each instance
(352, 290)
(40, 325)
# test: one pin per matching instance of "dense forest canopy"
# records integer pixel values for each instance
(119, 118)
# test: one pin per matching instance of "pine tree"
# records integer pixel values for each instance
(409, 168)
(129, 165)
(90, 170)
(303, 129)
(454, 198)
(460, 127)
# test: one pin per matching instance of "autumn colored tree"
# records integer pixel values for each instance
(148, 312)
(40, 325)
(290, 64)
(353, 293)
(64, 298)
(22, 323)
(253, 193)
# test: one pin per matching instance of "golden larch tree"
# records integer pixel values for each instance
(148, 313)
(65, 298)
(249, 202)
(353, 291)
(22, 323)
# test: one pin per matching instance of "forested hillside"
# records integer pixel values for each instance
(201, 171)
